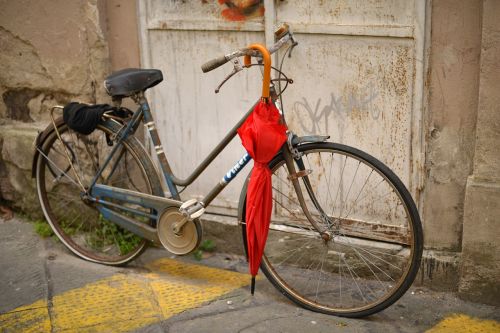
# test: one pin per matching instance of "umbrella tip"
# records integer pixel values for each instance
(252, 286)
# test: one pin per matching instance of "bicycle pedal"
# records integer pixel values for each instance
(192, 209)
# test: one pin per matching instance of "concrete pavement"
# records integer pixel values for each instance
(44, 288)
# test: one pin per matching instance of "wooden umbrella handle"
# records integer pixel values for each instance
(266, 81)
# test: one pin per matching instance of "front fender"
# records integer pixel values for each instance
(298, 140)
(295, 142)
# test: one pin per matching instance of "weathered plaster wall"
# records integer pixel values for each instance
(481, 232)
(51, 52)
(453, 86)
(122, 34)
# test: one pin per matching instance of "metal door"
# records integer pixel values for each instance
(358, 77)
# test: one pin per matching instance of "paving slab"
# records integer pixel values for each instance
(44, 288)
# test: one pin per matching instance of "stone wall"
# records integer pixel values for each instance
(52, 52)
(462, 189)
(455, 48)
(480, 269)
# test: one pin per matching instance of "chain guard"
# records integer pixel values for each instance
(183, 243)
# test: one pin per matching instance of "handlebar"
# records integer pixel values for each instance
(247, 52)
(214, 63)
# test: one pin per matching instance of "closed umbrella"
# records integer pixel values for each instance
(262, 135)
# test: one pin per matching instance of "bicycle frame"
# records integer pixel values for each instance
(100, 193)
(172, 181)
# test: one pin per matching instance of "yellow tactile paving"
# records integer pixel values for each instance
(175, 295)
(32, 318)
(120, 298)
(460, 323)
(125, 302)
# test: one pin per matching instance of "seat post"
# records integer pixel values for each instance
(117, 101)
(151, 127)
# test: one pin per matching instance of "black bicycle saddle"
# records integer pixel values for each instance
(129, 81)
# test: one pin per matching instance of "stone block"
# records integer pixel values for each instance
(439, 270)
(480, 266)
(16, 155)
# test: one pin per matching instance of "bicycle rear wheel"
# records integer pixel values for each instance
(77, 222)
(375, 244)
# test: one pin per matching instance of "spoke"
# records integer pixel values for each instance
(287, 240)
(355, 200)
(349, 191)
(363, 249)
(304, 279)
(358, 278)
(72, 221)
(75, 142)
(368, 264)
(292, 200)
(297, 219)
(379, 197)
(60, 208)
(311, 275)
(328, 186)
(329, 196)
(293, 252)
(91, 157)
(340, 278)
(63, 196)
(341, 182)
(115, 164)
(369, 267)
(298, 259)
(350, 272)
(279, 178)
(321, 272)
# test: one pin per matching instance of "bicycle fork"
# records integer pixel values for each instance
(294, 176)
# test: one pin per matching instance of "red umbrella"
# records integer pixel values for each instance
(262, 135)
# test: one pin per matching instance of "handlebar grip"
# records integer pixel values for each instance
(213, 64)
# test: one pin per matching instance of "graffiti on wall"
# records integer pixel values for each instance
(316, 115)
(241, 10)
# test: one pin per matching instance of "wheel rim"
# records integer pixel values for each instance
(76, 223)
(366, 264)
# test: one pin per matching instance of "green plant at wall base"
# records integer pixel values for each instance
(207, 245)
(43, 229)
(109, 233)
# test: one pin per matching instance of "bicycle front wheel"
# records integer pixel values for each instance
(66, 166)
(375, 241)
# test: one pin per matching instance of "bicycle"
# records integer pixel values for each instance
(345, 236)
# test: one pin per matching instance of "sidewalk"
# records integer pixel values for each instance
(44, 288)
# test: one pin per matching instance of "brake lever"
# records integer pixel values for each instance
(237, 68)
(294, 43)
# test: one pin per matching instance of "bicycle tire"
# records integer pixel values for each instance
(88, 235)
(349, 247)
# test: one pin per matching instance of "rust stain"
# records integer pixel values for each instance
(383, 232)
(241, 10)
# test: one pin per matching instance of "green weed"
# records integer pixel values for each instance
(109, 233)
(43, 229)
(207, 245)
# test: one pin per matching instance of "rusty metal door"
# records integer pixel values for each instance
(358, 77)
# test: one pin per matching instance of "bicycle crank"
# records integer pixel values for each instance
(176, 240)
